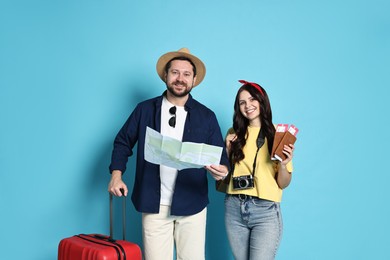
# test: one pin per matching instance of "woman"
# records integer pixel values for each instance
(252, 205)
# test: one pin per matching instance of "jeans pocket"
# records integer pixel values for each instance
(266, 204)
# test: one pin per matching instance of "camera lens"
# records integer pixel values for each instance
(243, 183)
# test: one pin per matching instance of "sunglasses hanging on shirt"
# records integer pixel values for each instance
(172, 120)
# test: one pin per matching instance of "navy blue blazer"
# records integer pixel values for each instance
(191, 188)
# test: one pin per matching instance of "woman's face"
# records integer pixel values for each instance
(249, 108)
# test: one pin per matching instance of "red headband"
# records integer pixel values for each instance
(252, 84)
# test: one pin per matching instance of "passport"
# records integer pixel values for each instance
(284, 135)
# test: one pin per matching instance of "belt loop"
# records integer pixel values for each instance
(243, 197)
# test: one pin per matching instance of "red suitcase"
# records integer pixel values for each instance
(99, 247)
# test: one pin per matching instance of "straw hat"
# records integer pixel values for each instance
(183, 52)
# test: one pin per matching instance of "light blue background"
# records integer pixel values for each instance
(72, 71)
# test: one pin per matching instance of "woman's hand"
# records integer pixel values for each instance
(284, 176)
(288, 150)
(228, 140)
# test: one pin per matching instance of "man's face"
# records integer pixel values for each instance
(180, 78)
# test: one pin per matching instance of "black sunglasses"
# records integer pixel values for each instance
(172, 120)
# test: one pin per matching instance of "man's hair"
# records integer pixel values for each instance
(180, 58)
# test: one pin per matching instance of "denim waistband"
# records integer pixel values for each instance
(244, 197)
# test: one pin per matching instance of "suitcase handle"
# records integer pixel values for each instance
(123, 216)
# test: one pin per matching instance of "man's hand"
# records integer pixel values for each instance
(219, 172)
(116, 184)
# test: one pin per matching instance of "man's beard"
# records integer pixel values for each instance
(175, 93)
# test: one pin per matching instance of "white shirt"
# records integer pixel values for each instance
(167, 174)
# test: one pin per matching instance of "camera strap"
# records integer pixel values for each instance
(259, 142)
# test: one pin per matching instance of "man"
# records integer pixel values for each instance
(173, 203)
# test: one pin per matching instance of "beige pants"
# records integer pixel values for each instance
(161, 231)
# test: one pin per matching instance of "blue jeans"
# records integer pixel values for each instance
(254, 227)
